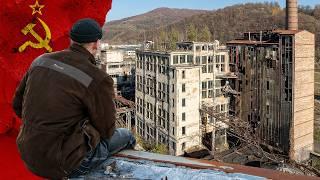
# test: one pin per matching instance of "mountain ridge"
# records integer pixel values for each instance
(153, 19)
(223, 24)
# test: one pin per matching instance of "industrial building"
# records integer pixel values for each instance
(172, 87)
(275, 82)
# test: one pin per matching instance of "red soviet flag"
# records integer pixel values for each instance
(29, 28)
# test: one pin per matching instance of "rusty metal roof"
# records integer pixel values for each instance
(286, 32)
(125, 101)
(244, 41)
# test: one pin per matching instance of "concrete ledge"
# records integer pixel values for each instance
(213, 165)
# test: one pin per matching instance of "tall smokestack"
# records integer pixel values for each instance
(292, 15)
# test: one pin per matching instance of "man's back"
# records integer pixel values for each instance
(61, 92)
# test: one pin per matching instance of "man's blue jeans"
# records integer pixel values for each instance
(121, 139)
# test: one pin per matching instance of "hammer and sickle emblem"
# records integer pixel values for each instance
(42, 43)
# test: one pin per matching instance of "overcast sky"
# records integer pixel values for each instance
(126, 8)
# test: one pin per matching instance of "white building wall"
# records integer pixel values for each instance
(191, 121)
(177, 62)
(112, 56)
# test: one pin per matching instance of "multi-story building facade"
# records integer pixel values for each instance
(171, 88)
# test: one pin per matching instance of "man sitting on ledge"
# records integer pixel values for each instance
(68, 111)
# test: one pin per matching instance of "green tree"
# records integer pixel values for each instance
(205, 34)
(152, 146)
(173, 38)
(191, 32)
(162, 36)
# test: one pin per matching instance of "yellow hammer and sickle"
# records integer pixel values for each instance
(42, 43)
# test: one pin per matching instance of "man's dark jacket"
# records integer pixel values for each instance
(63, 118)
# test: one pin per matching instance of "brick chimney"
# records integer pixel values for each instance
(291, 15)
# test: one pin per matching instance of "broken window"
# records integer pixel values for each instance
(218, 108)
(197, 59)
(204, 60)
(183, 87)
(183, 130)
(222, 58)
(210, 93)
(210, 68)
(183, 102)
(182, 59)
(175, 59)
(174, 146)
(204, 85)
(217, 67)
(183, 146)
(223, 107)
(204, 94)
(189, 58)
(217, 58)
(218, 92)
(204, 69)
(210, 59)
(210, 84)
(183, 74)
(222, 68)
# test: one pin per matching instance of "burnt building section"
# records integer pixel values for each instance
(275, 86)
(125, 113)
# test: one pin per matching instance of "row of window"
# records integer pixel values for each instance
(151, 61)
(204, 47)
(209, 93)
(210, 69)
(220, 108)
(182, 59)
(115, 66)
(208, 88)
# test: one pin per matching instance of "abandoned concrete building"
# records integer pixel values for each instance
(121, 67)
(275, 82)
(172, 87)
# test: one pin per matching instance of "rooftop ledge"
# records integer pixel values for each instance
(130, 164)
